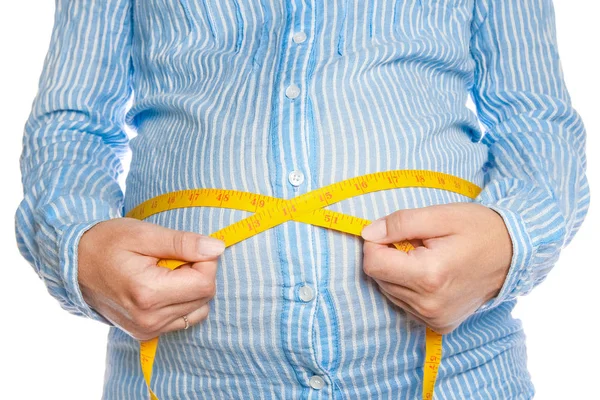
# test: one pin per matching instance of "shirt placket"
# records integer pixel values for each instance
(297, 242)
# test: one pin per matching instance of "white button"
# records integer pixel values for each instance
(292, 91)
(296, 178)
(316, 382)
(306, 293)
(299, 37)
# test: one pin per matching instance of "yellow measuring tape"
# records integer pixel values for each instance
(308, 208)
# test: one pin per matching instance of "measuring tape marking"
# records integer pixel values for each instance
(284, 210)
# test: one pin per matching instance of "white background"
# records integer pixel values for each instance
(46, 352)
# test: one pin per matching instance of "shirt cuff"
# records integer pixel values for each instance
(522, 252)
(537, 229)
(68, 253)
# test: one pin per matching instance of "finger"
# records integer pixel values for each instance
(391, 265)
(433, 323)
(202, 282)
(407, 295)
(170, 314)
(194, 318)
(207, 268)
(410, 312)
(417, 223)
(151, 323)
(161, 287)
(416, 242)
(160, 242)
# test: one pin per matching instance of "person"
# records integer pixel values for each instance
(280, 98)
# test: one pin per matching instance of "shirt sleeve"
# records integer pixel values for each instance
(74, 142)
(535, 177)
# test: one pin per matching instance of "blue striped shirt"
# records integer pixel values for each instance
(238, 94)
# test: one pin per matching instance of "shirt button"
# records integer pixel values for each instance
(296, 178)
(306, 293)
(316, 382)
(292, 91)
(299, 37)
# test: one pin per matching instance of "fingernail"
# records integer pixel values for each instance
(375, 231)
(208, 246)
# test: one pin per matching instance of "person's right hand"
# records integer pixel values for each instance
(119, 277)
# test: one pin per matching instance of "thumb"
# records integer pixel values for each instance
(417, 223)
(160, 242)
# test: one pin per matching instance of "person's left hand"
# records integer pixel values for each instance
(463, 253)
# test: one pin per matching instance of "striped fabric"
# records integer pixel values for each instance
(227, 94)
